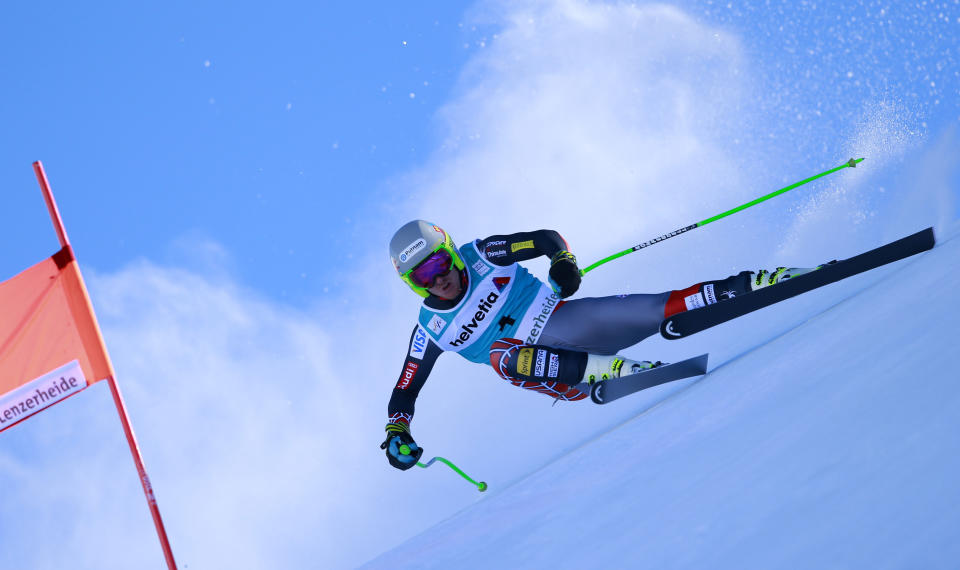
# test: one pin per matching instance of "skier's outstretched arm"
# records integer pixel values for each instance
(422, 354)
(521, 246)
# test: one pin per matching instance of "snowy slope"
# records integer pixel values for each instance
(834, 445)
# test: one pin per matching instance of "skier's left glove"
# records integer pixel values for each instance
(564, 274)
(399, 440)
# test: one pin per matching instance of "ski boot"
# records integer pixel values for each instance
(764, 278)
(602, 367)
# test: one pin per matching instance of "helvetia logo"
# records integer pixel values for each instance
(485, 306)
(500, 283)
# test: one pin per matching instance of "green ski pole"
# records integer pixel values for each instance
(851, 163)
(481, 486)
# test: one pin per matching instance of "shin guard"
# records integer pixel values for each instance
(544, 369)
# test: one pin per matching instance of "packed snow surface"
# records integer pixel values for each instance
(833, 445)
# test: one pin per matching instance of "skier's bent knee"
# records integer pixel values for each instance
(514, 360)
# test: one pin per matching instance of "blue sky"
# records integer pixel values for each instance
(263, 129)
(230, 176)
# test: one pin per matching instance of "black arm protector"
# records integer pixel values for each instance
(504, 250)
(422, 354)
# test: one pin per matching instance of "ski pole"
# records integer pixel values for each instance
(481, 486)
(851, 163)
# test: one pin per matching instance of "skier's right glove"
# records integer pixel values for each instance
(399, 441)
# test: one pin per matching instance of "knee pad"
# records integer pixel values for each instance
(502, 351)
(514, 360)
(517, 363)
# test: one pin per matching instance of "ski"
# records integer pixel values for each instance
(690, 322)
(612, 389)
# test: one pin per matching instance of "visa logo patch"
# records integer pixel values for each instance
(418, 344)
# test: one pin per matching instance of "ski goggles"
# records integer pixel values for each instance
(427, 271)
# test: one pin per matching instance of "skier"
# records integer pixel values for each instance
(479, 302)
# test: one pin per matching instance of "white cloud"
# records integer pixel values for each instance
(610, 123)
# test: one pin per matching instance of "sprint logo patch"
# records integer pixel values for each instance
(525, 361)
